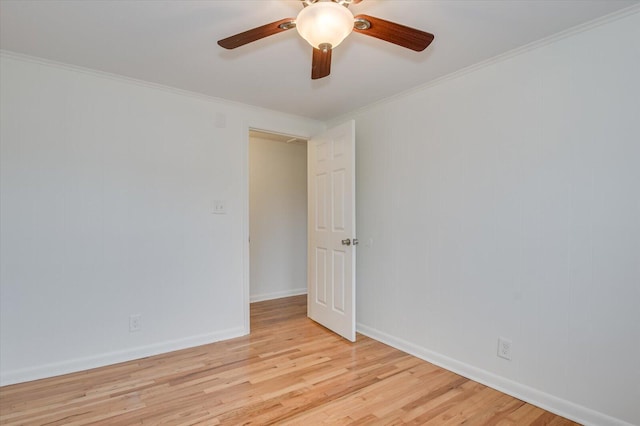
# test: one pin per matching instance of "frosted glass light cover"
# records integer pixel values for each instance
(324, 22)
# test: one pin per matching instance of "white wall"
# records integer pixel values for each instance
(506, 202)
(278, 218)
(107, 192)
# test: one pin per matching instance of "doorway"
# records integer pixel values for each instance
(277, 216)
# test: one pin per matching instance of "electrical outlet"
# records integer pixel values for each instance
(504, 348)
(135, 322)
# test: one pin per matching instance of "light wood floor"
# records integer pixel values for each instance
(288, 371)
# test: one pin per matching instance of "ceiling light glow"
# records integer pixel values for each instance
(324, 24)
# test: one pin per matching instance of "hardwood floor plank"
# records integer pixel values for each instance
(290, 370)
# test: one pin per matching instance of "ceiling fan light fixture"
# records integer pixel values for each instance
(324, 23)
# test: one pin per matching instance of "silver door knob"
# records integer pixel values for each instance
(346, 242)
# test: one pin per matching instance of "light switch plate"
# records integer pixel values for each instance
(219, 207)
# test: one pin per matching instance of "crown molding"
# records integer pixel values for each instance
(141, 83)
(578, 29)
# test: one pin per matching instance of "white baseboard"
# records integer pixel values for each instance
(109, 358)
(277, 295)
(533, 396)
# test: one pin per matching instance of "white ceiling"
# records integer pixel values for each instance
(174, 43)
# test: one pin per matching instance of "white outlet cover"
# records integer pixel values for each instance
(135, 322)
(504, 348)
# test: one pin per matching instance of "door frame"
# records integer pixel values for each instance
(246, 260)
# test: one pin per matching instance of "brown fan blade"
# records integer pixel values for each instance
(321, 64)
(257, 33)
(401, 35)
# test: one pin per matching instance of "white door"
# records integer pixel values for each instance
(331, 276)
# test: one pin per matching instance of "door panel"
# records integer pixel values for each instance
(331, 275)
(338, 281)
(338, 195)
(321, 282)
(321, 202)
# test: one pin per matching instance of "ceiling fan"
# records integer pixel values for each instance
(325, 24)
